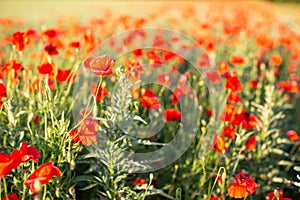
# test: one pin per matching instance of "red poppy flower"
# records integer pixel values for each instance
(100, 65)
(244, 186)
(277, 195)
(234, 98)
(275, 60)
(219, 179)
(253, 84)
(63, 75)
(51, 33)
(209, 113)
(75, 45)
(214, 198)
(19, 40)
(204, 61)
(172, 115)
(8, 163)
(219, 144)
(140, 184)
(233, 83)
(138, 52)
(229, 131)
(213, 76)
(87, 131)
(292, 135)
(29, 153)
(223, 68)
(3, 93)
(51, 50)
(236, 60)
(75, 137)
(149, 100)
(42, 175)
(98, 92)
(45, 68)
(12, 196)
(168, 55)
(251, 143)
(164, 79)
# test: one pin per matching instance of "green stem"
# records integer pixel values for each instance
(45, 192)
(5, 188)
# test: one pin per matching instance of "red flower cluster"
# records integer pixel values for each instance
(243, 186)
(41, 175)
(86, 132)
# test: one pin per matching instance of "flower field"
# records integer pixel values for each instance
(149, 100)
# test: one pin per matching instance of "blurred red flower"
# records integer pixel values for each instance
(292, 135)
(275, 60)
(219, 144)
(63, 75)
(98, 91)
(8, 163)
(100, 65)
(51, 49)
(236, 60)
(229, 131)
(164, 79)
(3, 93)
(45, 68)
(277, 194)
(19, 40)
(251, 143)
(42, 175)
(213, 76)
(149, 100)
(243, 186)
(223, 68)
(172, 115)
(233, 83)
(29, 153)
(12, 196)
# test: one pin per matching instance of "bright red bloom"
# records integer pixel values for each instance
(62, 75)
(100, 65)
(251, 143)
(149, 100)
(75, 137)
(45, 68)
(219, 144)
(87, 131)
(42, 175)
(3, 93)
(140, 184)
(292, 135)
(172, 115)
(98, 91)
(244, 186)
(275, 60)
(51, 50)
(75, 45)
(229, 131)
(223, 68)
(236, 60)
(8, 163)
(51, 33)
(213, 76)
(277, 193)
(12, 196)
(234, 98)
(29, 153)
(19, 40)
(233, 83)
(214, 198)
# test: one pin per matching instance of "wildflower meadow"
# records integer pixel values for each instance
(149, 100)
